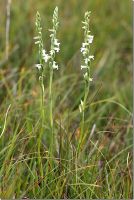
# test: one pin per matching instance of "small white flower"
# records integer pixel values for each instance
(90, 79)
(52, 30)
(83, 67)
(57, 49)
(84, 22)
(38, 66)
(56, 43)
(43, 51)
(82, 49)
(86, 77)
(52, 52)
(91, 57)
(36, 37)
(84, 44)
(84, 27)
(45, 56)
(88, 59)
(90, 38)
(54, 65)
(37, 42)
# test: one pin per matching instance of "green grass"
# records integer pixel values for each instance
(103, 169)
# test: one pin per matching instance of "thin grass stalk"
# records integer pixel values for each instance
(51, 110)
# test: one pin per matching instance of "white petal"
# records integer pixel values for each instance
(56, 43)
(86, 61)
(82, 49)
(44, 51)
(84, 44)
(90, 38)
(51, 30)
(83, 67)
(52, 52)
(38, 66)
(56, 49)
(91, 57)
(46, 58)
(36, 37)
(55, 66)
(90, 79)
(37, 42)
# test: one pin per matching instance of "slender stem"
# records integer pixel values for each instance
(50, 98)
(51, 107)
(42, 124)
(86, 93)
(42, 100)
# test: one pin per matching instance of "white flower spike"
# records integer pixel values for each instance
(55, 45)
(85, 49)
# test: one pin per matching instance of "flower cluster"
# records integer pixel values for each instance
(39, 41)
(87, 57)
(85, 49)
(55, 45)
(43, 56)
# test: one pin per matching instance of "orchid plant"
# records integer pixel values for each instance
(46, 60)
(86, 67)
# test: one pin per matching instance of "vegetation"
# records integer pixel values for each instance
(60, 138)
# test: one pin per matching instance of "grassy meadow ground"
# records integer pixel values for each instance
(103, 167)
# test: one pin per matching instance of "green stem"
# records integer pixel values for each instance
(51, 107)
(42, 100)
(50, 98)
(42, 124)
(86, 93)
